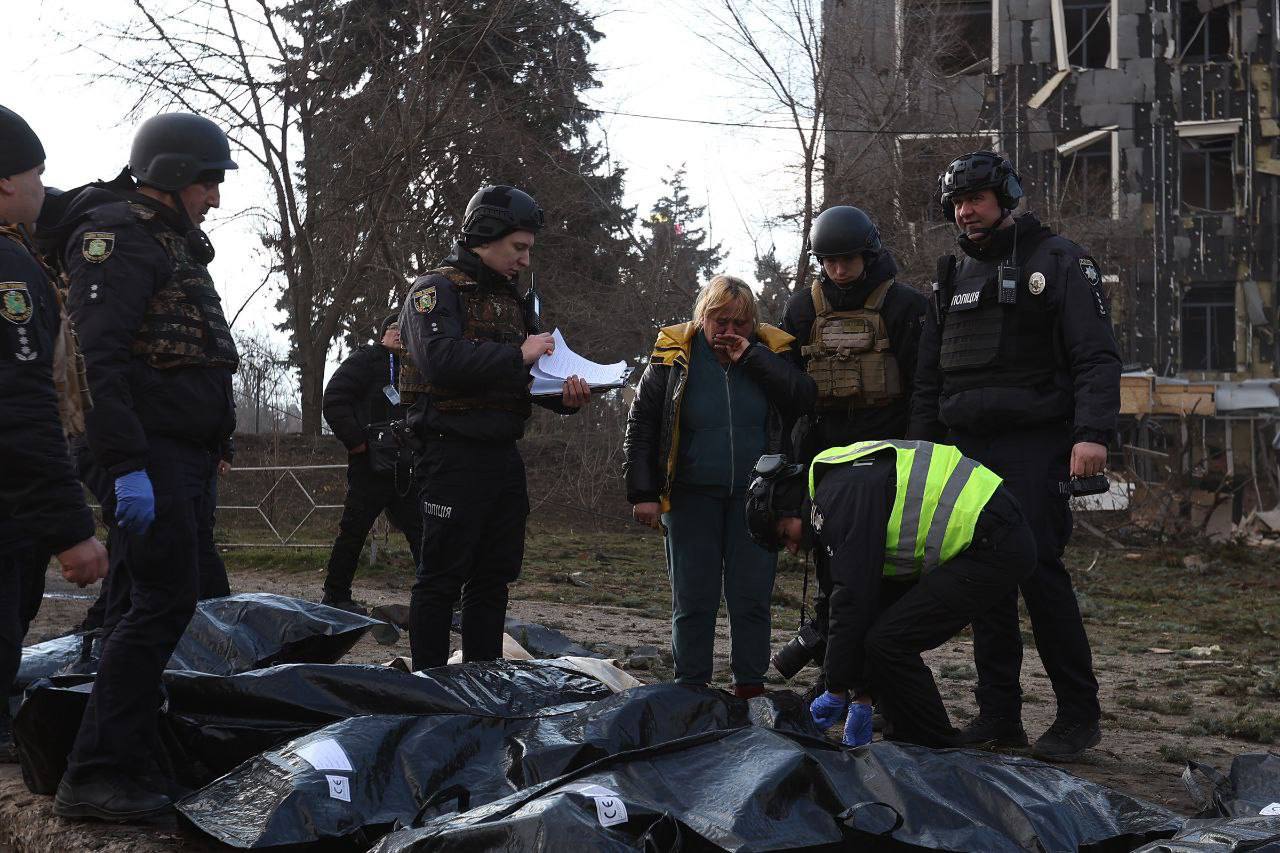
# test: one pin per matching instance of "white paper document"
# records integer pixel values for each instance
(550, 371)
(326, 754)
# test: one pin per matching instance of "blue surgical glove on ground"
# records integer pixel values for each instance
(857, 729)
(827, 709)
(135, 502)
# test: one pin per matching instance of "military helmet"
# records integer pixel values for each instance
(844, 230)
(980, 170)
(171, 151)
(775, 491)
(496, 211)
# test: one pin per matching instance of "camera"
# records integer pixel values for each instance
(1080, 487)
(807, 645)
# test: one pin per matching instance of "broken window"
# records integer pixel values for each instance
(1084, 181)
(921, 159)
(1088, 25)
(1208, 175)
(1204, 36)
(1209, 327)
(961, 31)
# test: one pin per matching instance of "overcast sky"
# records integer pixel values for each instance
(652, 62)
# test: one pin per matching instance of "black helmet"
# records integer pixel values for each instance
(843, 230)
(494, 212)
(171, 151)
(981, 170)
(776, 491)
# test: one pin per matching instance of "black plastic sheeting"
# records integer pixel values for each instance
(210, 723)
(1240, 811)
(543, 642)
(374, 771)
(237, 633)
(758, 789)
(1222, 836)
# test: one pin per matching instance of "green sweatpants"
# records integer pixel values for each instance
(708, 550)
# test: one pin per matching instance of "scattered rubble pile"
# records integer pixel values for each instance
(558, 748)
(1260, 529)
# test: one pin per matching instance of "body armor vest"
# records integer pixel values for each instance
(488, 316)
(183, 325)
(69, 377)
(849, 355)
(987, 344)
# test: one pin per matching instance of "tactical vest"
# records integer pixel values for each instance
(183, 325)
(938, 497)
(987, 344)
(70, 379)
(487, 316)
(849, 354)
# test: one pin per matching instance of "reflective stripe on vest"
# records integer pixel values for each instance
(938, 497)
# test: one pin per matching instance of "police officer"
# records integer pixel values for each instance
(472, 340)
(42, 507)
(921, 541)
(160, 360)
(360, 402)
(859, 331)
(1018, 368)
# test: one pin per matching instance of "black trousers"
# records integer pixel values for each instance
(21, 591)
(475, 504)
(1032, 463)
(212, 582)
(154, 578)
(922, 616)
(368, 495)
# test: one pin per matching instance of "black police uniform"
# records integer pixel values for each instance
(463, 328)
(903, 312)
(160, 359)
(880, 625)
(42, 508)
(1015, 386)
(355, 399)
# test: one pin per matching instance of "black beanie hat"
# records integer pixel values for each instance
(20, 148)
(387, 322)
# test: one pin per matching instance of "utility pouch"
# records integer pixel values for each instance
(384, 448)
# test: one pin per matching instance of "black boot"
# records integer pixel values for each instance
(118, 799)
(1066, 740)
(992, 731)
(8, 749)
(347, 604)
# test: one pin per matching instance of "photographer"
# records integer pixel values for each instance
(359, 402)
(921, 541)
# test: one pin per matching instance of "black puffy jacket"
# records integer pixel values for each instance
(354, 397)
(652, 441)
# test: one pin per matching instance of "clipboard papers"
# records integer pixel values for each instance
(550, 371)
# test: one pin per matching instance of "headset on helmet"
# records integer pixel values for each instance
(980, 170)
(771, 471)
(843, 230)
(496, 211)
(171, 151)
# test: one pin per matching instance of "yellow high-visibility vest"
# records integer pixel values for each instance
(939, 494)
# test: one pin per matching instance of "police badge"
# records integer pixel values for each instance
(1090, 271)
(1036, 283)
(424, 301)
(97, 245)
(15, 302)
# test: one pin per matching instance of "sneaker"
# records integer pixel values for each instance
(118, 799)
(347, 604)
(988, 731)
(1066, 740)
(748, 691)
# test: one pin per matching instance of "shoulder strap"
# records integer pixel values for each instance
(820, 306)
(876, 300)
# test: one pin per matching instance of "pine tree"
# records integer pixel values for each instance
(777, 284)
(675, 261)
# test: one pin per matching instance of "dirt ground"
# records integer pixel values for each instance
(1185, 648)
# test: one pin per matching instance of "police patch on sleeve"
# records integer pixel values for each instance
(15, 302)
(1090, 271)
(424, 301)
(97, 245)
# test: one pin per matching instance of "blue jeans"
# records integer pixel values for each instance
(708, 549)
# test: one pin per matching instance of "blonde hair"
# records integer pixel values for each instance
(725, 290)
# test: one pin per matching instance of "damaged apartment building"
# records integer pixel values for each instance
(1145, 130)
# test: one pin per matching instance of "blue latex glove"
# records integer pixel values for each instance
(827, 709)
(857, 729)
(135, 502)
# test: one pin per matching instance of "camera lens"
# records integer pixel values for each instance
(799, 651)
